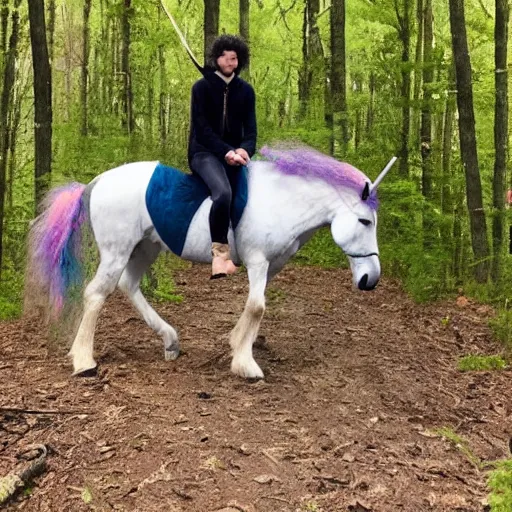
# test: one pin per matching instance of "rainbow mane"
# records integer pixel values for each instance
(308, 163)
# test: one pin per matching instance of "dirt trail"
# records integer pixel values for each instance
(356, 386)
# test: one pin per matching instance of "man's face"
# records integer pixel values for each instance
(227, 62)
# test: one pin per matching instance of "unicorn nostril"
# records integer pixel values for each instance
(363, 284)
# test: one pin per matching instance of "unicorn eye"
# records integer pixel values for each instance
(365, 222)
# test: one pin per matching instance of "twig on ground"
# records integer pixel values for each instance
(276, 498)
(18, 478)
(41, 411)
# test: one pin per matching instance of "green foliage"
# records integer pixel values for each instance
(501, 326)
(460, 444)
(321, 251)
(426, 274)
(500, 483)
(158, 283)
(481, 363)
(161, 74)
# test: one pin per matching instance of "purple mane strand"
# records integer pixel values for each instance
(308, 163)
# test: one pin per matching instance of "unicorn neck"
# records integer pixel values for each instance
(303, 205)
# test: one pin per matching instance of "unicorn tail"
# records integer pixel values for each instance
(55, 259)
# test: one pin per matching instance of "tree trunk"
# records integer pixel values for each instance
(68, 22)
(339, 78)
(85, 68)
(4, 20)
(5, 105)
(51, 28)
(418, 61)
(426, 114)
(369, 113)
(449, 115)
(404, 34)
(211, 24)
(151, 99)
(467, 138)
(42, 98)
(128, 121)
(500, 133)
(358, 127)
(14, 127)
(449, 229)
(162, 109)
(244, 28)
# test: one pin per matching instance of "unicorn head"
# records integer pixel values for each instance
(354, 229)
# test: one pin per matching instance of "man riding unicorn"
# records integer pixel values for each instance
(222, 137)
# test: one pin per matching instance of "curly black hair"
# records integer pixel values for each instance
(231, 43)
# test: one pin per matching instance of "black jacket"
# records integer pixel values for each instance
(223, 116)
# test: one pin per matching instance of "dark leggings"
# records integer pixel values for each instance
(218, 179)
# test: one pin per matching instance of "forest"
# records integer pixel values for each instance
(90, 85)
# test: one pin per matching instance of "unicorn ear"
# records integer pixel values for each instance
(366, 191)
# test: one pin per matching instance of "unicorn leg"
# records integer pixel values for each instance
(96, 292)
(245, 331)
(142, 258)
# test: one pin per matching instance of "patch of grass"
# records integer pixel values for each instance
(500, 483)
(311, 506)
(274, 296)
(460, 443)
(86, 495)
(481, 363)
(158, 283)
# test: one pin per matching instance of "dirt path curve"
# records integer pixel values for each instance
(356, 386)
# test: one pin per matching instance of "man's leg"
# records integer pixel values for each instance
(213, 173)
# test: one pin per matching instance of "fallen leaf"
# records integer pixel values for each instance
(266, 479)
(86, 495)
(462, 302)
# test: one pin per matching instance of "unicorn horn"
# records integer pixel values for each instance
(380, 177)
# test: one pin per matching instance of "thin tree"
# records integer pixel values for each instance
(51, 28)
(426, 114)
(340, 133)
(500, 132)
(244, 28)
(467, 137)
(211, 24)
(4, 20)
(128, 121)
(404, 34)
(42, 98)
(429, 228)
(5, 105)
(85, 68)
(418, 61)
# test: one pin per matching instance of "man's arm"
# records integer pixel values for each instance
(204, 132)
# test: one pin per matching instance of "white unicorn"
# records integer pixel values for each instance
(137, 210)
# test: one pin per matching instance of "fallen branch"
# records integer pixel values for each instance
(40, 411)
(17, 479)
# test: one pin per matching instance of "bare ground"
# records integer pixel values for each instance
(347, 419)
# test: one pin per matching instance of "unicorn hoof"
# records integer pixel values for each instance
(171, 355)
(248, 370)
(88, 372)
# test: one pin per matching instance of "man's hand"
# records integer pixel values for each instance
(243, 154)
(234, 158)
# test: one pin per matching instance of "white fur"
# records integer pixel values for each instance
(282, 213)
